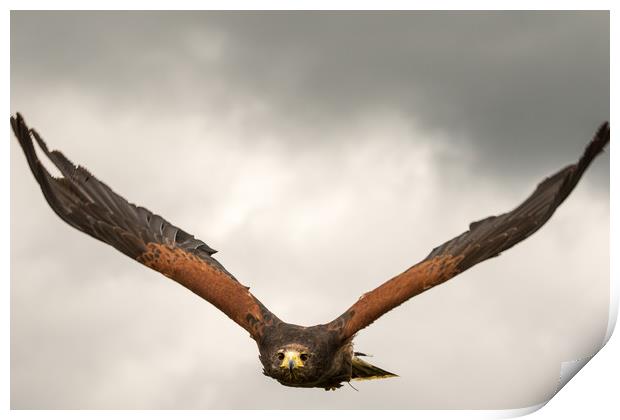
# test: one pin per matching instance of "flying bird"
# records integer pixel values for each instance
(320, 356)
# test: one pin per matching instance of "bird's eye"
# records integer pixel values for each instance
(303, 357)
(281, 356)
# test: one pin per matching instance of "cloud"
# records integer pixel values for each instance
(503, 82)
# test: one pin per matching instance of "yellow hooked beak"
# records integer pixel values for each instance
(292, 360)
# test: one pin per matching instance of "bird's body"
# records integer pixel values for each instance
(320, 356)
(328, 362)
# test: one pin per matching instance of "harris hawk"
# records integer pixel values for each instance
(319, 356)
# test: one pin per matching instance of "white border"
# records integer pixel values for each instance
(306, 5)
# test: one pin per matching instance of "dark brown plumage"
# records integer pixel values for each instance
(318, 356)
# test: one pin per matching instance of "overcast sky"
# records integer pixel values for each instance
(321, 154)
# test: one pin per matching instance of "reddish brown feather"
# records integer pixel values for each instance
(396, 291)
(208, 282)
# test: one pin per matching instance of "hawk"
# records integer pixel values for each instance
(319, 356)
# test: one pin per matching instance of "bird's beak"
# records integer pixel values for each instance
(291, 361)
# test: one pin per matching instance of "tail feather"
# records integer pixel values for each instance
(364, 371)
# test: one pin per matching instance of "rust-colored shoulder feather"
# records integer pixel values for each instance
(484, 239)
(89, 205)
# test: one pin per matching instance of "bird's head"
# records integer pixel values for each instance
(292, 363)
(302, 356)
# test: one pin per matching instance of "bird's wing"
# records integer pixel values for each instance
(484, 239)
(89, 205)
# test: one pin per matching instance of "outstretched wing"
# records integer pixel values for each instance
(89, 205)
(484, 239)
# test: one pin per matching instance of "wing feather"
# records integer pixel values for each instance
(90, 206)
(485, 239)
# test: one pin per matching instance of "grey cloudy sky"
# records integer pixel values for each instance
(321, 154)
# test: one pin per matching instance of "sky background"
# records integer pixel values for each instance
(321, 154)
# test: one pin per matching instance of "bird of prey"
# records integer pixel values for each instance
(320, 356)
